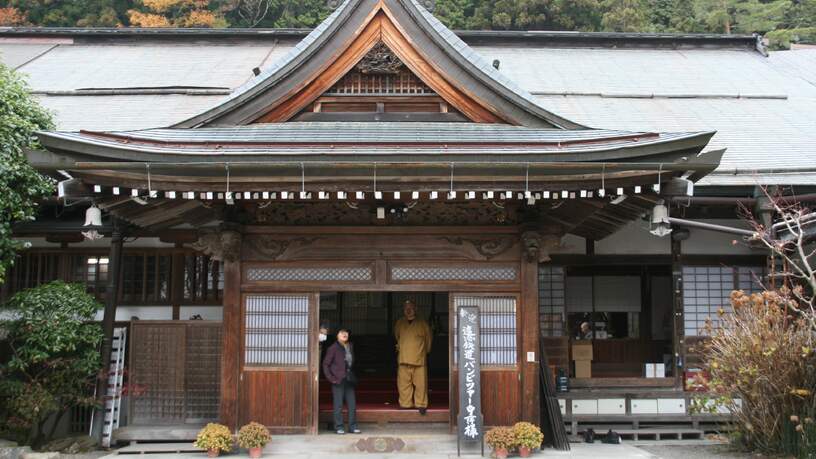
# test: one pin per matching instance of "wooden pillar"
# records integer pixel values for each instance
(177, 280)
(108, 319)
(231, 332)
(529, 325)
(678, 330)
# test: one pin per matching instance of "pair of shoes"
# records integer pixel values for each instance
(340, 432)
(612, 438)
(423, 410)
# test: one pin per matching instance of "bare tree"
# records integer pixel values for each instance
(790, 236)
(252, 12)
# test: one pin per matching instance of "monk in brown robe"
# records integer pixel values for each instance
(413, 336)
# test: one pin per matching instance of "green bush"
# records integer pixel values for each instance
(20, 185)
(54, 357)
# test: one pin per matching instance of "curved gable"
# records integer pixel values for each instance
(454, 72)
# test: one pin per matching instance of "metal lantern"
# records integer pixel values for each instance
(660, 220)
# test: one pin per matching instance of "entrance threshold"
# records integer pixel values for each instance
(605, 383)
(382, 415)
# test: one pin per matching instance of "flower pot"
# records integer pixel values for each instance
(501, 453)
(256, 452)
(214, 452)
(525, 451)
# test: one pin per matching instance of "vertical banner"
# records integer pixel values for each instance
(469, 420)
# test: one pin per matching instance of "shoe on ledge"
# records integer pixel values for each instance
(422, 411)
(340, 432)
(355, 430)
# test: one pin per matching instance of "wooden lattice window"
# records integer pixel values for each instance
(707, 290)
(498, 328)
(146, 278)
(91, 270)
(358, 83)
(276, 330)
(30, 270)
(551, 295)
(203, 280)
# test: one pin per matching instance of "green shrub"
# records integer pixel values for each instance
(54, 357)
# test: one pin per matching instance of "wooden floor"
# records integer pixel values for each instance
(392, 415)
(612, 383)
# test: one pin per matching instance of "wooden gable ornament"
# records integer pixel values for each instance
(393, 38)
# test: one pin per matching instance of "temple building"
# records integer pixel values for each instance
(254, 185)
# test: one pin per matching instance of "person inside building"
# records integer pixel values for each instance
(337, 367)
(413, 337)
(585, 332)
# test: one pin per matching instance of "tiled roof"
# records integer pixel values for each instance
(394, 140)
(762, 108)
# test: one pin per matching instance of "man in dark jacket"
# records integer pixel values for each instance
(337, 367)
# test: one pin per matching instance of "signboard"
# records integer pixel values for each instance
(469, 420)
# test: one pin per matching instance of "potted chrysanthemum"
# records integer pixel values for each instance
(214, 438)
(501, 440)
(528, 437)
(254, 437)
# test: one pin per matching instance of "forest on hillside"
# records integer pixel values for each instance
(783, 21)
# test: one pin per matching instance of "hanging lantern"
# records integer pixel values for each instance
(93, 217)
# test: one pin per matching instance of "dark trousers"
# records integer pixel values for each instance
(342, 391)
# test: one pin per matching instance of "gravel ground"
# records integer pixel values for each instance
(697, 452)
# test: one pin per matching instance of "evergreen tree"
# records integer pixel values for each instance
(625, 16)
(454, 13)
(584, 15)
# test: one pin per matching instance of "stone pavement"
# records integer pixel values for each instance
(289, 448)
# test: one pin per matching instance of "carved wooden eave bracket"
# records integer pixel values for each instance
(537, 247)
(221, 246)
(272, 247)
(489, 248)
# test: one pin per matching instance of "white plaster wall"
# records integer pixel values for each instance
(635, 239)
(125, 313)
(206, 312)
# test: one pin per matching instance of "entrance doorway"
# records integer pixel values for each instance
(628, 313)
(370, 317)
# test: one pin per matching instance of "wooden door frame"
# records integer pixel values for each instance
(453, 388)
(313, 352)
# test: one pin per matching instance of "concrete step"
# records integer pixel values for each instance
(329, 443)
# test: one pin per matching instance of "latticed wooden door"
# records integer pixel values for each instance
(174, 373)
(278, 348)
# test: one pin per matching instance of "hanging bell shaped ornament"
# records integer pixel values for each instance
(93, 216)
